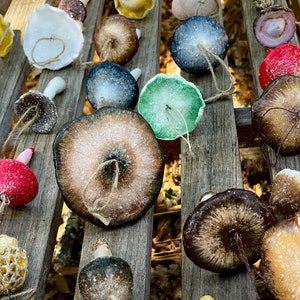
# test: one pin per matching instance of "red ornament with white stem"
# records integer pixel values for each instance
(18, 183)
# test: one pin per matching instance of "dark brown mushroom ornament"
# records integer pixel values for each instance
(109, 166)
(225, 231)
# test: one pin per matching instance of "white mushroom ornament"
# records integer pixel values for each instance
(52, 39)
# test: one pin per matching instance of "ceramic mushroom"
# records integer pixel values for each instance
(110, 84)
(75, 8)
(18, 183)
(116, 39)
(171, 105)
(275, 115)
(13, 265)
(183, 10)
(285, 194)
(199, 44)
(123, 174)
(105, 277)
(274, 26)
(39, 108)
(282, 60)
(225, 231)
(6, 37)
(134, 9)
(52, 38)
(280, 257)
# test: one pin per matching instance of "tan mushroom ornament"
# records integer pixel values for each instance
(52, 39)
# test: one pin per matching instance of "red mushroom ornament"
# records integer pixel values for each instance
(282, 60)
(18, 183)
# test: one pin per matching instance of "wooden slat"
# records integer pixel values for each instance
(133, 242)
(13, 71)
(35, 225)
(257, 53)
(215, 166)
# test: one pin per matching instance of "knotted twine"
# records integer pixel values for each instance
(101, 203)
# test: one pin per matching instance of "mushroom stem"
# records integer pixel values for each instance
(54, 87)
(25, 156)
(101, 249)
(136, 73)
(138, 33)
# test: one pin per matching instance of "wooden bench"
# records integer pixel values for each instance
(215, 166)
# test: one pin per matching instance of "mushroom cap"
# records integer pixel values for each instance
(280, 259)
(209, 233)
(189, 8)
(116, 40)
(52, 38)
(285, 194)
(6, 37)
(44, 119)
(193, 38)
(75, 8)
(284, 59)
(123, 174)
(274, 26)
(106, 277)
(110, 84)
(17, 182)
(275, 115)
(134, 9)
(171, 105)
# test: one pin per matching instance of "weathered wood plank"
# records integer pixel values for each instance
(257, 53)
(133, 242)
(13, 71)
(215, 166)
(35, 225)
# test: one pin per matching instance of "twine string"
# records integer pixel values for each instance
(50, 60)
(27, 293)
(14, 129)
(102, 201)
(205, 52)
(171, 124)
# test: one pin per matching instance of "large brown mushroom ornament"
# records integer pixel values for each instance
(225, 231)
(109, 166)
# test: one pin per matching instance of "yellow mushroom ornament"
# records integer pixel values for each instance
(6, 37)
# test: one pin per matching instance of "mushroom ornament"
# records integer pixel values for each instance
(6, 37)
(123, 174)
(52, 38)
(109, 84)
(183, 10)
(13, 265)
(75, 8)
(275, 115)
(134, 9)
(18, 183)
(274, 26)
(282, 60)
(105, 277)
(199, 45)
(225, 231)
(172, 106)
(116, 39)
(38, 109)
(280, 259)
